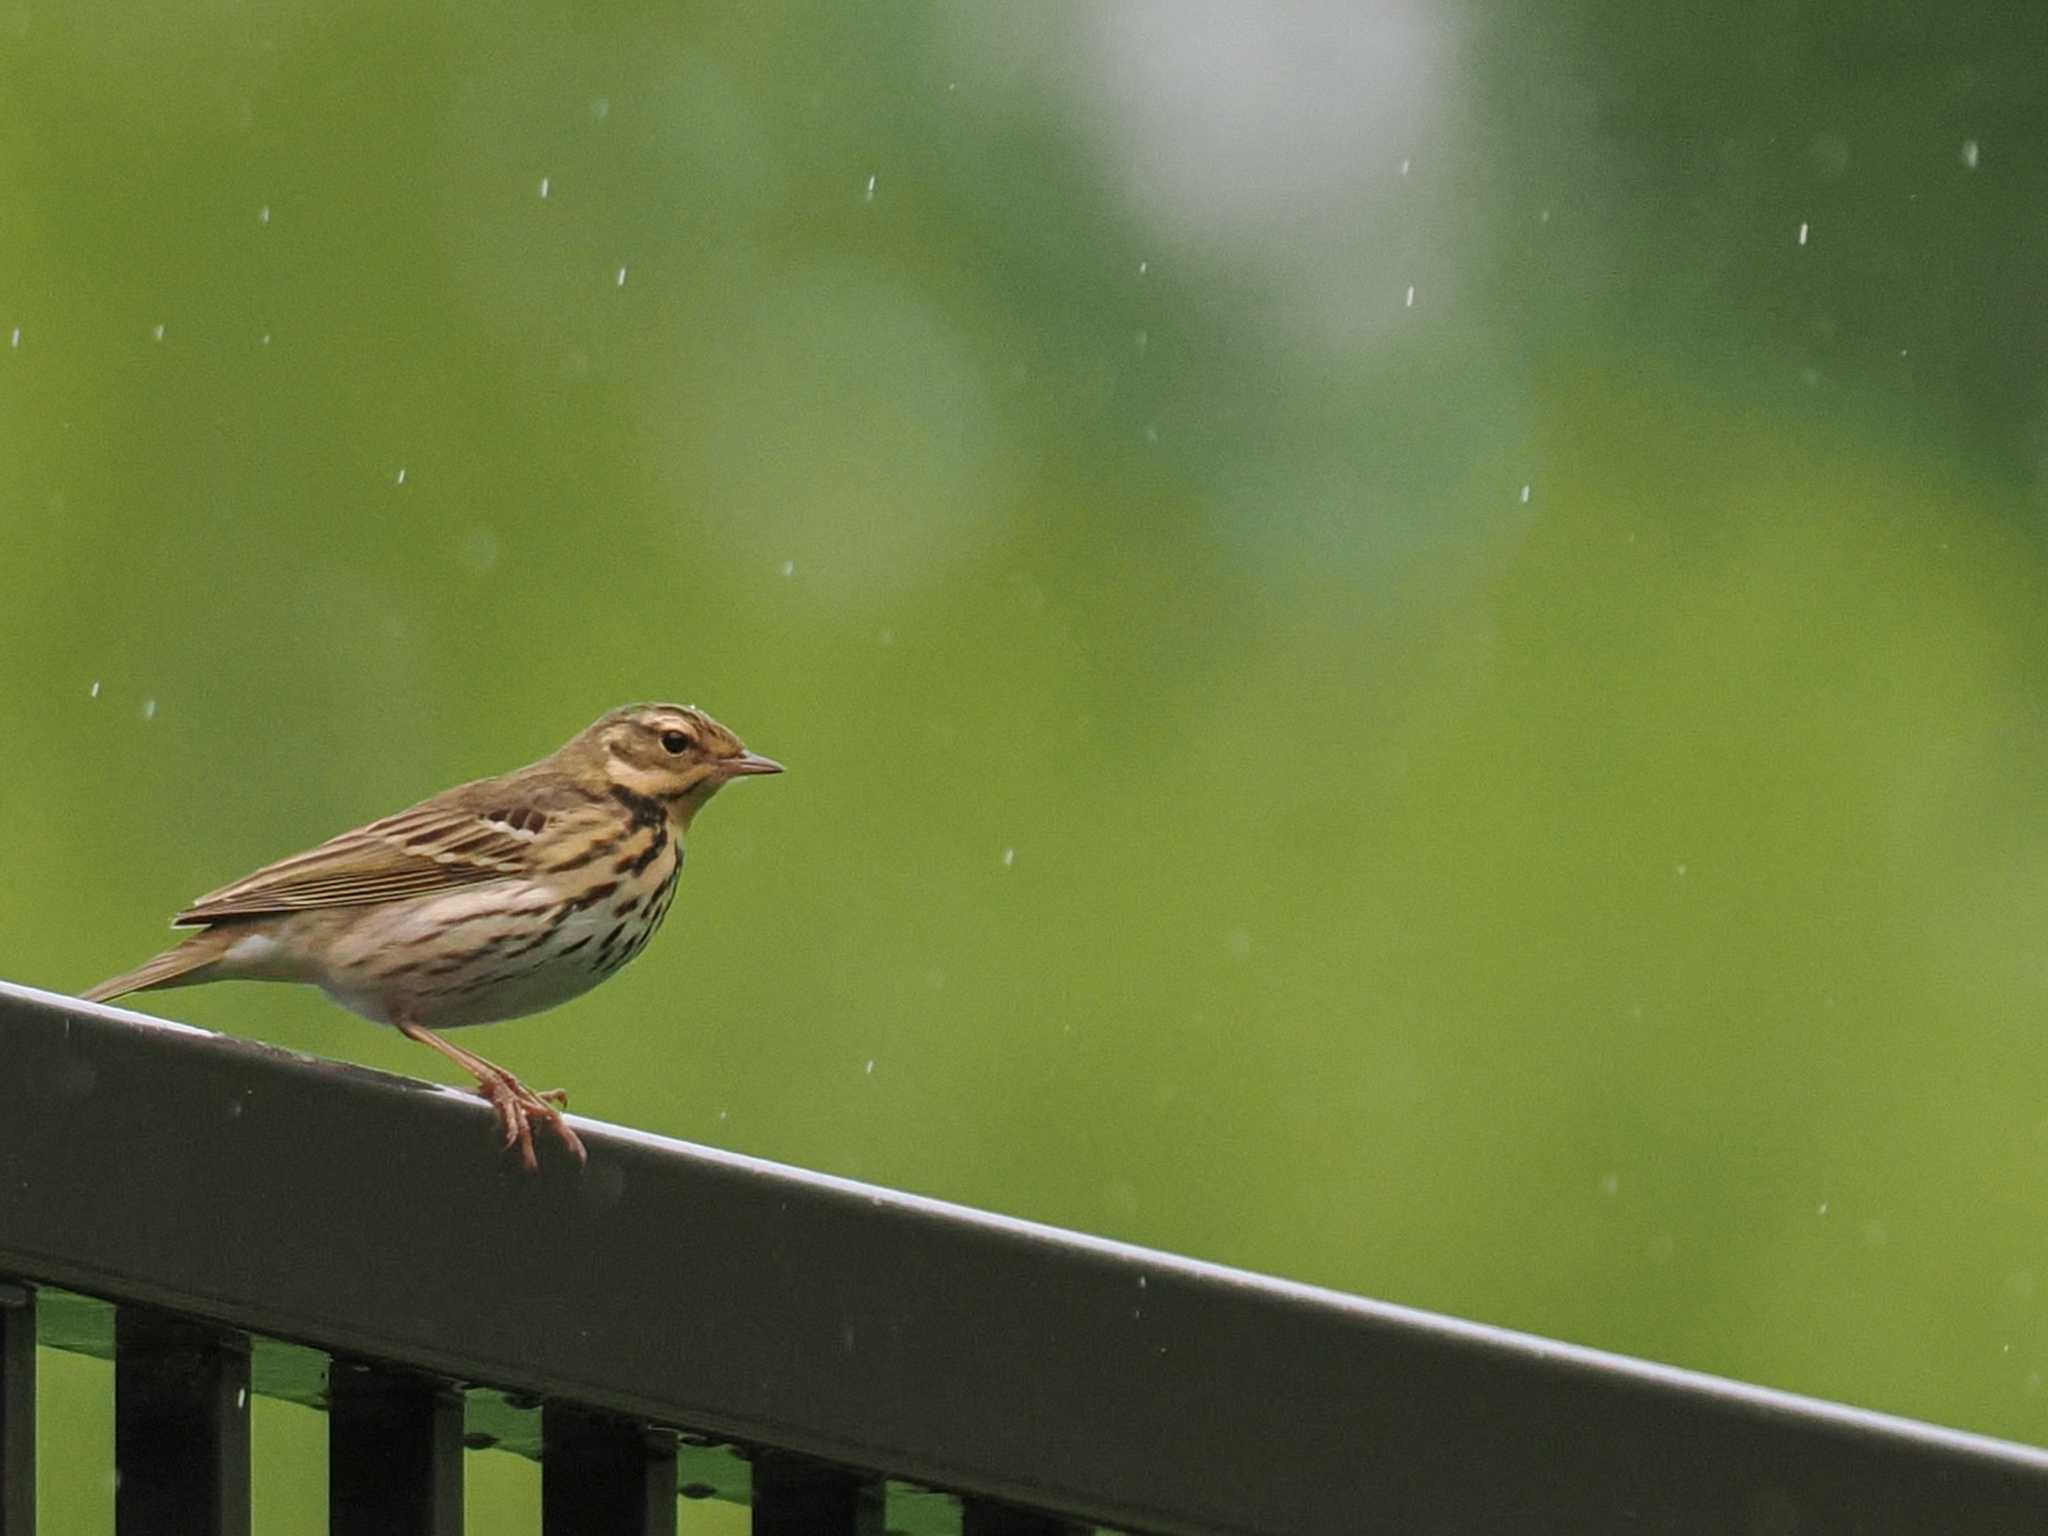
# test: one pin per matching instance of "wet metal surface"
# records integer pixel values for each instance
(355, 1212)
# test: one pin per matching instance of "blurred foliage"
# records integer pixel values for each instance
(1410, 638)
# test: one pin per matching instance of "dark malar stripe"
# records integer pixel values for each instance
(646, 810)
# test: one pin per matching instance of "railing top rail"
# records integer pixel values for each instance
(362, 1213)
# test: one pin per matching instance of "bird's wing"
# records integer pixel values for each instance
(441, 844)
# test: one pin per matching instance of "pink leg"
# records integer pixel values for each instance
(518, 1106)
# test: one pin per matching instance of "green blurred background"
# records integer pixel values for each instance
(1410, 637)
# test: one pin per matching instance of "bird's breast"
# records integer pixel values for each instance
(507, 948)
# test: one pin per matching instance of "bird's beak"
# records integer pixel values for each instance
(745, 763)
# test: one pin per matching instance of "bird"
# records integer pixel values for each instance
(495, 899)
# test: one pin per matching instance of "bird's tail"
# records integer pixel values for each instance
(179, 966)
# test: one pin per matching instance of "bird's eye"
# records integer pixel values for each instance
(675, 741)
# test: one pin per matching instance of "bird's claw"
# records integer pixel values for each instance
(518, 1106)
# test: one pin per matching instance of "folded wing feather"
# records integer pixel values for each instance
(432, 847)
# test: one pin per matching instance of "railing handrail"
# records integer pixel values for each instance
(362, 1213)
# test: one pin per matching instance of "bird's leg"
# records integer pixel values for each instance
(517, 1105)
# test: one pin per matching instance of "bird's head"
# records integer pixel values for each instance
(671, 753)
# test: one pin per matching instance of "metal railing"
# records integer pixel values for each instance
(222, 1216)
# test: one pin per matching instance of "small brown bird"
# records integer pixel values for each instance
(491, 900)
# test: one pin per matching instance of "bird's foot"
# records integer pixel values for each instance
(518, 1107)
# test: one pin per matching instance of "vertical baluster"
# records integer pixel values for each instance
(394, 1453)
(17, 1410)
(796, 1496)
(601, 1476)
(181, 1427)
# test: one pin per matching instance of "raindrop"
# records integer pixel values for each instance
(871, 190)
(1681, 870)
(266, 338)
(1151, 432)
(870, 1069)
(622, 278)
(601, 108)
(1802, 234)
(1411, 297)
(263, 214)
(14, 337)
(788, 568)
(1404, 167)
(1543, 217)
(95, 688)
(1610, 1184)
(1821, 1209)
(401, 477)
(1525, 495)
(1143, 340)
(149, 709)
(1969, 154)
(241, 1397)
(156, 333)
(544, 187)
(1009, 857)
(1144, 267)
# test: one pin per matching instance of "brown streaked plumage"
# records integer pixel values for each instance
(491, 900)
